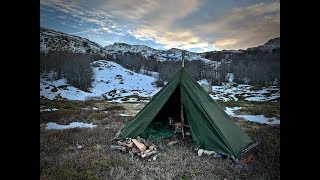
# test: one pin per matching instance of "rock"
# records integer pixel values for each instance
(200, 151)
(121, 148)
(154, 158)
(161, 147)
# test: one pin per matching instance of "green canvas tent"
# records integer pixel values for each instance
(210, 126)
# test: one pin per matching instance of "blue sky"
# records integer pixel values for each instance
(194, 25)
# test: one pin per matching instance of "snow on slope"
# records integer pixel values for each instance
(229, 92)
(111, 81)
(118, 84)
(55, 40)
(116, 81)
(123, 48)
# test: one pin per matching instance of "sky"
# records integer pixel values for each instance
(193, 25)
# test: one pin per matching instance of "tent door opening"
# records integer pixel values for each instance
(173, 114)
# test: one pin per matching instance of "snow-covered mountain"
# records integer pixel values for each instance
(172, 54)
(55, 40)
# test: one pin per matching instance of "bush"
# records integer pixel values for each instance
(89, 98)
(54, 89)
(159, 82)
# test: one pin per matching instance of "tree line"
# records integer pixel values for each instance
(248, 68)
(74, 67)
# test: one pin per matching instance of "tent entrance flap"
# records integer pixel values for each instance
(171, 111)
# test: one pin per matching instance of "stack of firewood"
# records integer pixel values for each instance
(138, 147)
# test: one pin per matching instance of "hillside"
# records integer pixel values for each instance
(51, 40)
(111, 81)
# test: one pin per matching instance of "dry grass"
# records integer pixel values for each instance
(61, 159)
(266, 108)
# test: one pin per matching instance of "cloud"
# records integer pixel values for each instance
(243, 27)
(186, 24)
(177, 39)
(154, 20)
(82, 15)
(132, 10)
(240, 27)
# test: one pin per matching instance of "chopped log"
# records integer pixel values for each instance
(147, 154)
(151, 147)
(131, 153)
(121, 143)
(172, 143)
(121, 148)
(141, 146)
(134, 150)
(130, 145)
(145, 142)
(139, 139)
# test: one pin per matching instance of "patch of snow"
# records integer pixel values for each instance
(230, 111)
(203, 81)
(260, 119)
(230, 77)
(125, 115)
(52, 109)
(52, 125)
(255, 98)
(254, 118)
(228, 92)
